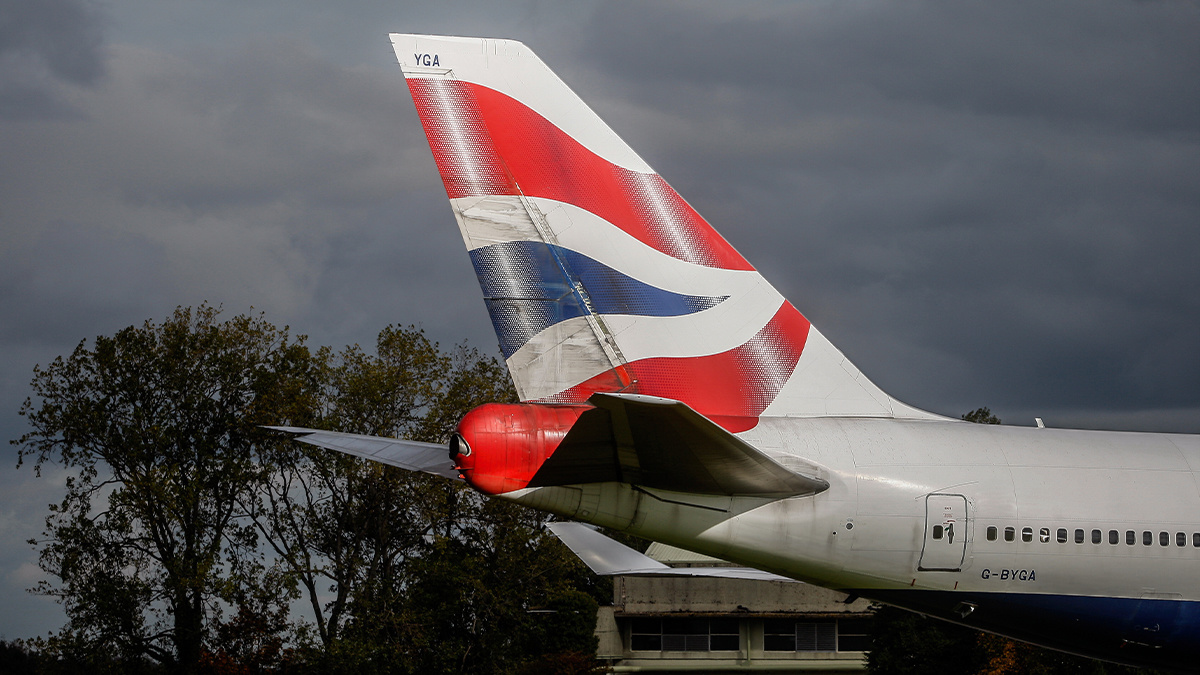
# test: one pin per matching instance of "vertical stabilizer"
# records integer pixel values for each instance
(597, 275)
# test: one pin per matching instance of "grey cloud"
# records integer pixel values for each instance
(62, 34)
(44, 45)
(71, 276)
(981, 204)
(264, 177)
(233, 169)
(1069, 62)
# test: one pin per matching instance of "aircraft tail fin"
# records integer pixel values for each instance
(598, 276)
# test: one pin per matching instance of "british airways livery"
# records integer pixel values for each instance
(668, 390)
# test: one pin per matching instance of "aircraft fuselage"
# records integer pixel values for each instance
(1083, 541)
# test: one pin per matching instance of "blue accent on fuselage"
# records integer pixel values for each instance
(1146, 632)
(528, 287)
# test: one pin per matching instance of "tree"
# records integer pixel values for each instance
(478, 597)
(904, 643)
(1009, 657)
(344, 525)
(981, 416)
(187, 530)
(157, 426)
(406, 572)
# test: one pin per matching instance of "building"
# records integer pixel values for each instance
(716, 625)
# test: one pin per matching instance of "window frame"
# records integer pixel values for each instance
(844, 635)
(642, 637)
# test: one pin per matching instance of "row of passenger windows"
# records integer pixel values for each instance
(1097, 536)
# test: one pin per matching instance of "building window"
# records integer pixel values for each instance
(684, 635)
(843, 635)
(854, 635)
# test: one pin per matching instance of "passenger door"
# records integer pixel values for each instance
(945, 543)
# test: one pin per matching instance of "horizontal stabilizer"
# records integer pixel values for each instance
(662, 443)
(608, 557)
(412, 455)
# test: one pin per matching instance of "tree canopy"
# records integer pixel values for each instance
(191, 540)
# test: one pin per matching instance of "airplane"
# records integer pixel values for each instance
(669, 391)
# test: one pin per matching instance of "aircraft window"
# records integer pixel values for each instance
(1180, 539)
(1096, 536)
(1196, 539)
(1114, 537)
(1147, 537)
(1010, 534)
(1078, 536)
(1062, 535)
(1027, 534)
(937, 531)
(1130, 537)
(1164, 538)
(1044, 535)
(992, 533)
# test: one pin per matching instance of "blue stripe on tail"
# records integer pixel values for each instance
(527, 288)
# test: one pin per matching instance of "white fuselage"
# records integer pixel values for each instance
(1004, 528)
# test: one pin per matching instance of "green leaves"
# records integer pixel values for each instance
(186, 532)
(405, 572)
(981, 416)
(158, 422)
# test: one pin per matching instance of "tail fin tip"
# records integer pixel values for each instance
(597, 274)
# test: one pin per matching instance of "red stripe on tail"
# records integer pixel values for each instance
(487, 143)
(732, 388)
(459, 139)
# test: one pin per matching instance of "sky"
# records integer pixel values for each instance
(980, 203)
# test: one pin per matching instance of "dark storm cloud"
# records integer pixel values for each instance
(44, 44)
(265, 176)
(1109, 62)
(71, 277)
(235, 170)
(981, 203)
